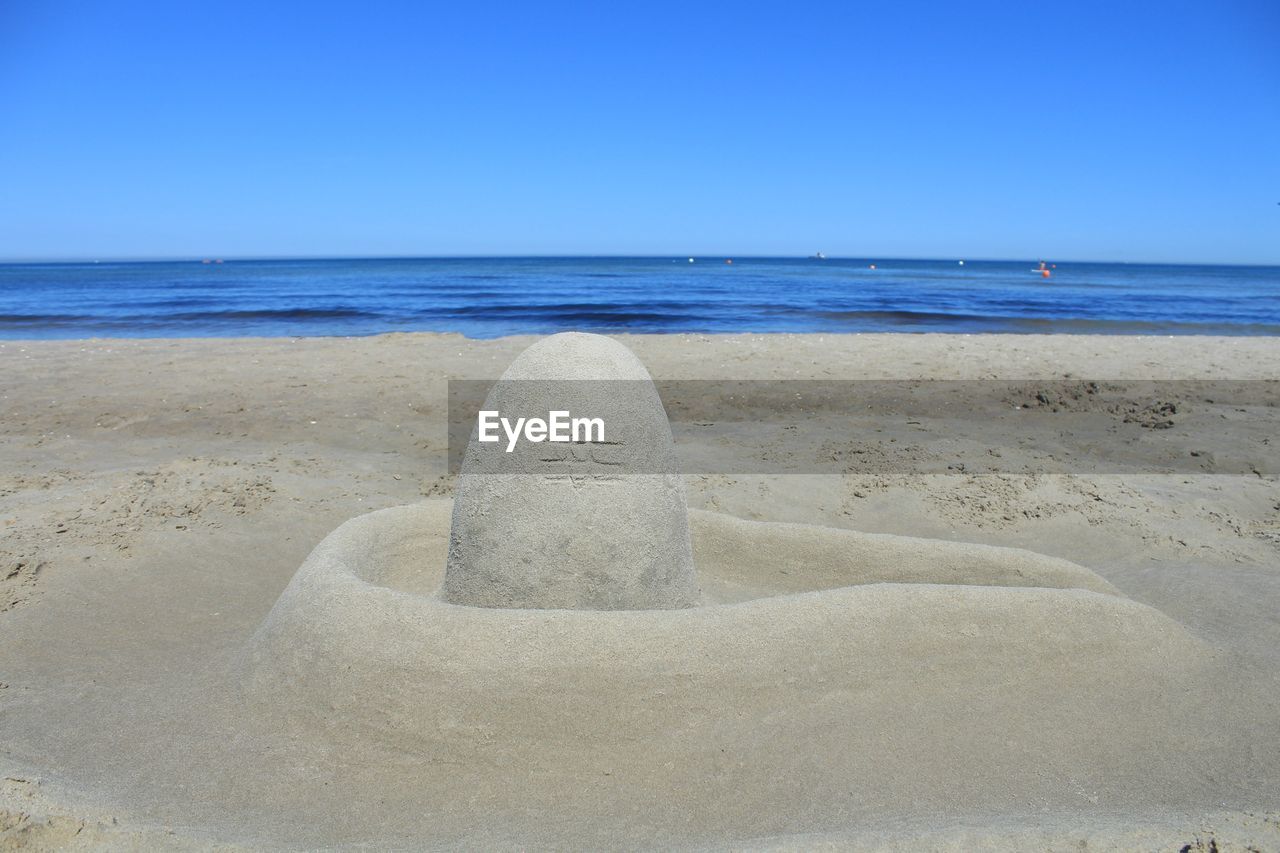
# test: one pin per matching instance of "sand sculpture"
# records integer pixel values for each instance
(556, 540)
(599, 525)
(536, 629)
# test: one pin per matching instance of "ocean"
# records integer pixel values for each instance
(489, 297)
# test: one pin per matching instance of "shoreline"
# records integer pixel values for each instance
(925, 354)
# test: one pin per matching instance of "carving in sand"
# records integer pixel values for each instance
(569, 619)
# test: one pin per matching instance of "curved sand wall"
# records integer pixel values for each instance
(357, 642)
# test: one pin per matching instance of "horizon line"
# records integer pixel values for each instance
(212, 259)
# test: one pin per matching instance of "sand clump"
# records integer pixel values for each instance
(597, 526)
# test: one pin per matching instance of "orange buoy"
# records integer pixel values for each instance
(1044, 273)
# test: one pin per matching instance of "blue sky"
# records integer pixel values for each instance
(1107, 131)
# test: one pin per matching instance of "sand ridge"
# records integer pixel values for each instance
(358, 653)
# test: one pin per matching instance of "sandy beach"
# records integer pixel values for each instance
(157, 497)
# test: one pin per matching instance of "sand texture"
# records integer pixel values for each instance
(223, 626)
(599, 525)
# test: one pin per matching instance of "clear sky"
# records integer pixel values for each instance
(1072, 130)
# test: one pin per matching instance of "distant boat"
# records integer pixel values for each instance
(818, 256)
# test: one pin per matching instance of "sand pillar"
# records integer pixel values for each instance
(587, 525)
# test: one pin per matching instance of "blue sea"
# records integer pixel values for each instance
(489, 297)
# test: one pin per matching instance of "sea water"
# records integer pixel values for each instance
(488, 297)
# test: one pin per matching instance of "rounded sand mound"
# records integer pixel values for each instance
(598, 524)
(795, 622)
